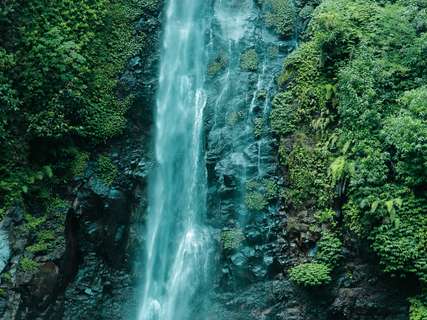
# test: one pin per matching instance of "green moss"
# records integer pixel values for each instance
(271, 189)
(255, 201)
(3, 293)
(57, 206)
(217, 65)
(401, 242)
(282, 16)
(79, 163)
(65, 91)
(38, 247)
(33, 223)
(326, 216)
(349, 118)
(258, 127)
(45, 235)
(106, 170)
(28, 265)
(310, 274)
(252, 185)
(6, 277)
(232, 239)
(234, 117)
(249, 60)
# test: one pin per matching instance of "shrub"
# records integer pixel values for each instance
(310, 274)
(329, 250)
(326, 216)
(283, 117)
(38, 247)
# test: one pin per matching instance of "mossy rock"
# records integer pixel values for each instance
(217, 65)
(28, 265)
(255, 201)
(232, 238)
(249, 60)
(106, 170)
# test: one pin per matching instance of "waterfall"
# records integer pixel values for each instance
(206, 90)
(177, 242)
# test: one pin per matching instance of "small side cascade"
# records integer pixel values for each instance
(241, 152)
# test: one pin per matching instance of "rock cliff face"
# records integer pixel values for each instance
(259, 237)
(90, 274)
(93, 272)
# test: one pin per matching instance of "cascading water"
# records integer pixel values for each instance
(204, 86)
(177, 244)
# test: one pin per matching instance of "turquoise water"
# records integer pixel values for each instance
(177, 242)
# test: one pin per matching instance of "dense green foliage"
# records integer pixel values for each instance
(59, 70)
(310, 274)
(60, 102)
(353, 129)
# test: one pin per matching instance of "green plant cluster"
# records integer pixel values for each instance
(255, 201)
(106, 170)
(329, 250)
(218, 64)
(249, 60)
(232, 238)
(308, 182)
(259, 193)
(310, 274)
(28, 265)
(356, 90)
(45, 232)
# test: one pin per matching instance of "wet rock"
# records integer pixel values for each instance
(44, 283)
(238, 259)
